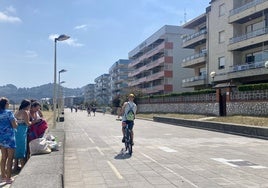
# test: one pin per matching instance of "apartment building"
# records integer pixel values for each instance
(155, 65)
(102, 89)
(119, 77)
(198, 60)
(89, 93)
(236, 43)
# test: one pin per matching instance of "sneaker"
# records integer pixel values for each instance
(123, 139)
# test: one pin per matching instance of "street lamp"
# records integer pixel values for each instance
(60, 38)
(59, 92)
(212, 75)
(266, 64)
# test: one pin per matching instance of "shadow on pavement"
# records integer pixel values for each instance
(122, 155)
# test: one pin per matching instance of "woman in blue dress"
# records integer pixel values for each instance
(23, 119)
(7, 139)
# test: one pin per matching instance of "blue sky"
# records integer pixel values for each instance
(101, 31)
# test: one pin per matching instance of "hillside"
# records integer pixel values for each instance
(15, 94)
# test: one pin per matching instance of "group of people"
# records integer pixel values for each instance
(16, 131)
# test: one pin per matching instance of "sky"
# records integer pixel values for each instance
(101, 32)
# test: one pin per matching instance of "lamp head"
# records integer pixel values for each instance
(212, 74)
(62, 38)
(62, 70)
(266, 64)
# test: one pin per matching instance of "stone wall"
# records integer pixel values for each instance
(183, 108)
(253, 103)
(256, 108)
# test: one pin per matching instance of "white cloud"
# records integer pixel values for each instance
(10, 19)
(70, 41)
(73, 42)
(84, 26)
(6, 17)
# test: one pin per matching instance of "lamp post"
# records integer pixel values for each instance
(59, 92)
(60, 38)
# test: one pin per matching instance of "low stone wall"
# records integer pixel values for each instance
(184, 108)
(250, 131)
(247, 108)
(44, 170)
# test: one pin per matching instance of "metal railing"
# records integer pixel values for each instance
(249, 35)
(245, 7)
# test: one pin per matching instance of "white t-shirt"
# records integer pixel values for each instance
(128, 106)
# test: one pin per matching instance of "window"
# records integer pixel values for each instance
(221, 10)
(254, 57)
(221, 62)
(254, 27)
(221, 36)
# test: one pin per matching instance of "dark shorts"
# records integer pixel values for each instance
(130, 124)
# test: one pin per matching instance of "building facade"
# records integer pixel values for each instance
(102, 89)
(119, 77)
(89, 93)
(155, 65)
(234, 35)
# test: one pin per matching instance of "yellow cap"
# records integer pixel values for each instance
(131, 95)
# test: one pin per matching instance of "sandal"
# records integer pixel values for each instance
(9, 181)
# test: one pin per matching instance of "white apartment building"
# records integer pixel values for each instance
(236, 43)
(119, 77)
(89, 93)
(155, 65)
(102, 89)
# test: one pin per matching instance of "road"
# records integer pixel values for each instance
(163, 156)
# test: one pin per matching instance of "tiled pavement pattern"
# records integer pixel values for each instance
(164, 156)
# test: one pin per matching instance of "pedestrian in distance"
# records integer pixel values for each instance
(128, 106)
(8, 124)
(88, 111)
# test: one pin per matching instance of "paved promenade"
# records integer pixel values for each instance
(164, 156)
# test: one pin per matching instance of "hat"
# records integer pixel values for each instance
(131, 95)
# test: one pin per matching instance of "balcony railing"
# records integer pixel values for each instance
(195, 56)
(190, 37)
(247, 66)
(249, 35)
(245, 7)
(196, 78)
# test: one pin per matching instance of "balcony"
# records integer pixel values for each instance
(248, 39)
(194, 60)
(155, 76)
(248, 11)
(195, 39)
(153, 89)
(194, 81)
(248, 70)
(152, 52)
(155, 63)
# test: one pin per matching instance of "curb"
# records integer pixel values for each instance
(237, 129)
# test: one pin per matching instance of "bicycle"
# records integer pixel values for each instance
(128, 140)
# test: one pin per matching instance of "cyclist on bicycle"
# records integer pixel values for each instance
(127, 106)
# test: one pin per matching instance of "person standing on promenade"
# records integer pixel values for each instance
(23, 118)
(7, 140)
(128, 106)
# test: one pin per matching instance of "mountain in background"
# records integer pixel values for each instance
(16, 95)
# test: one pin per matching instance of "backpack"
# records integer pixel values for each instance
(130, 116)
